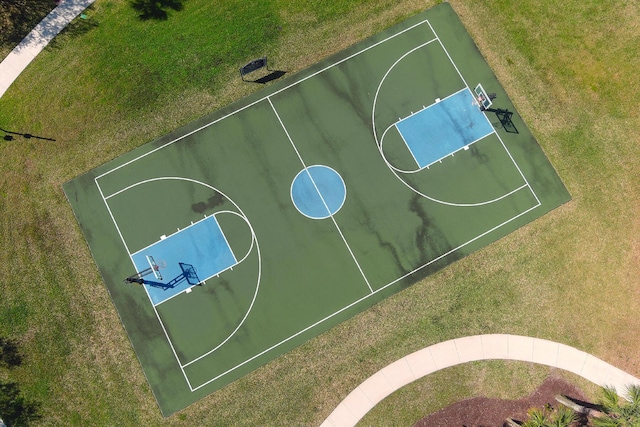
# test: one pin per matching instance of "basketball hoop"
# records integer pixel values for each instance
(154, 267)
(482, 98)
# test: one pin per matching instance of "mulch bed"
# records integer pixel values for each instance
(485, 412)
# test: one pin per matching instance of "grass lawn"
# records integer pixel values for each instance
(115, 82)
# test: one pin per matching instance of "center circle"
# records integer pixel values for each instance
(318, 192)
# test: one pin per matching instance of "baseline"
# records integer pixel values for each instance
(379, 139)
(158, 317)
(320, 321)
(499, 138)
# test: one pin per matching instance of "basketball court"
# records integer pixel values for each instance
(254, 229)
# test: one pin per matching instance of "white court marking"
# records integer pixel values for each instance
(371, 290)
(395, 170)
(254, 240)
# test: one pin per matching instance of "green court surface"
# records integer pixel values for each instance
(308, 202)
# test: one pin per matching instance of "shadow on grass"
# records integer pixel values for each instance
(274, 75)
(155, 9)
(9, 354)
(15, 409)
(19, 18)
(84, 23)
(9, 136)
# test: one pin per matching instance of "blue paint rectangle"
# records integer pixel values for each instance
(201, 245)
(443, 128)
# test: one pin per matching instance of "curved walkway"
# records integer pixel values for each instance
(38, 39)
(468, 349)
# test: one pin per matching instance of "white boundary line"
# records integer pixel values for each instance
(384, 77)
(235, 260)
(373, 292)
(254, 240)
(166, 334)
(395, 125)
(253, 234)
(262, 99)
(362, 299)
(175, 232)
(465, 82)
(379, 141)
(112, 217)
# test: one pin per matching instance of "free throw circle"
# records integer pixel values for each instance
(318, 192)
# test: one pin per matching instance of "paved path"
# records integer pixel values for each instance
(37, 39)
(411, 367)
(468, 349)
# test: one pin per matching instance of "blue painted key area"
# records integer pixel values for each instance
(201, 245)
(444, 128)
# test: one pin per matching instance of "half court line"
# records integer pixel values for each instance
(293, 145)
(321, 197)
(373, 292)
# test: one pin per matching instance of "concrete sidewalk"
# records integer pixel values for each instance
(468, 349)
(38, 39)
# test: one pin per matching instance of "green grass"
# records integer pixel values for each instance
(134, 69)
(571, 276)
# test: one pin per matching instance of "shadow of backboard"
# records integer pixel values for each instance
(504, 116)
(270, 77)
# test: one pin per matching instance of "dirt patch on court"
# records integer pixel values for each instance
(485, 412)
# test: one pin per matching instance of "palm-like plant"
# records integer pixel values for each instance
(537, 417)
(617, 414)
(548, 417)
(564, 417)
